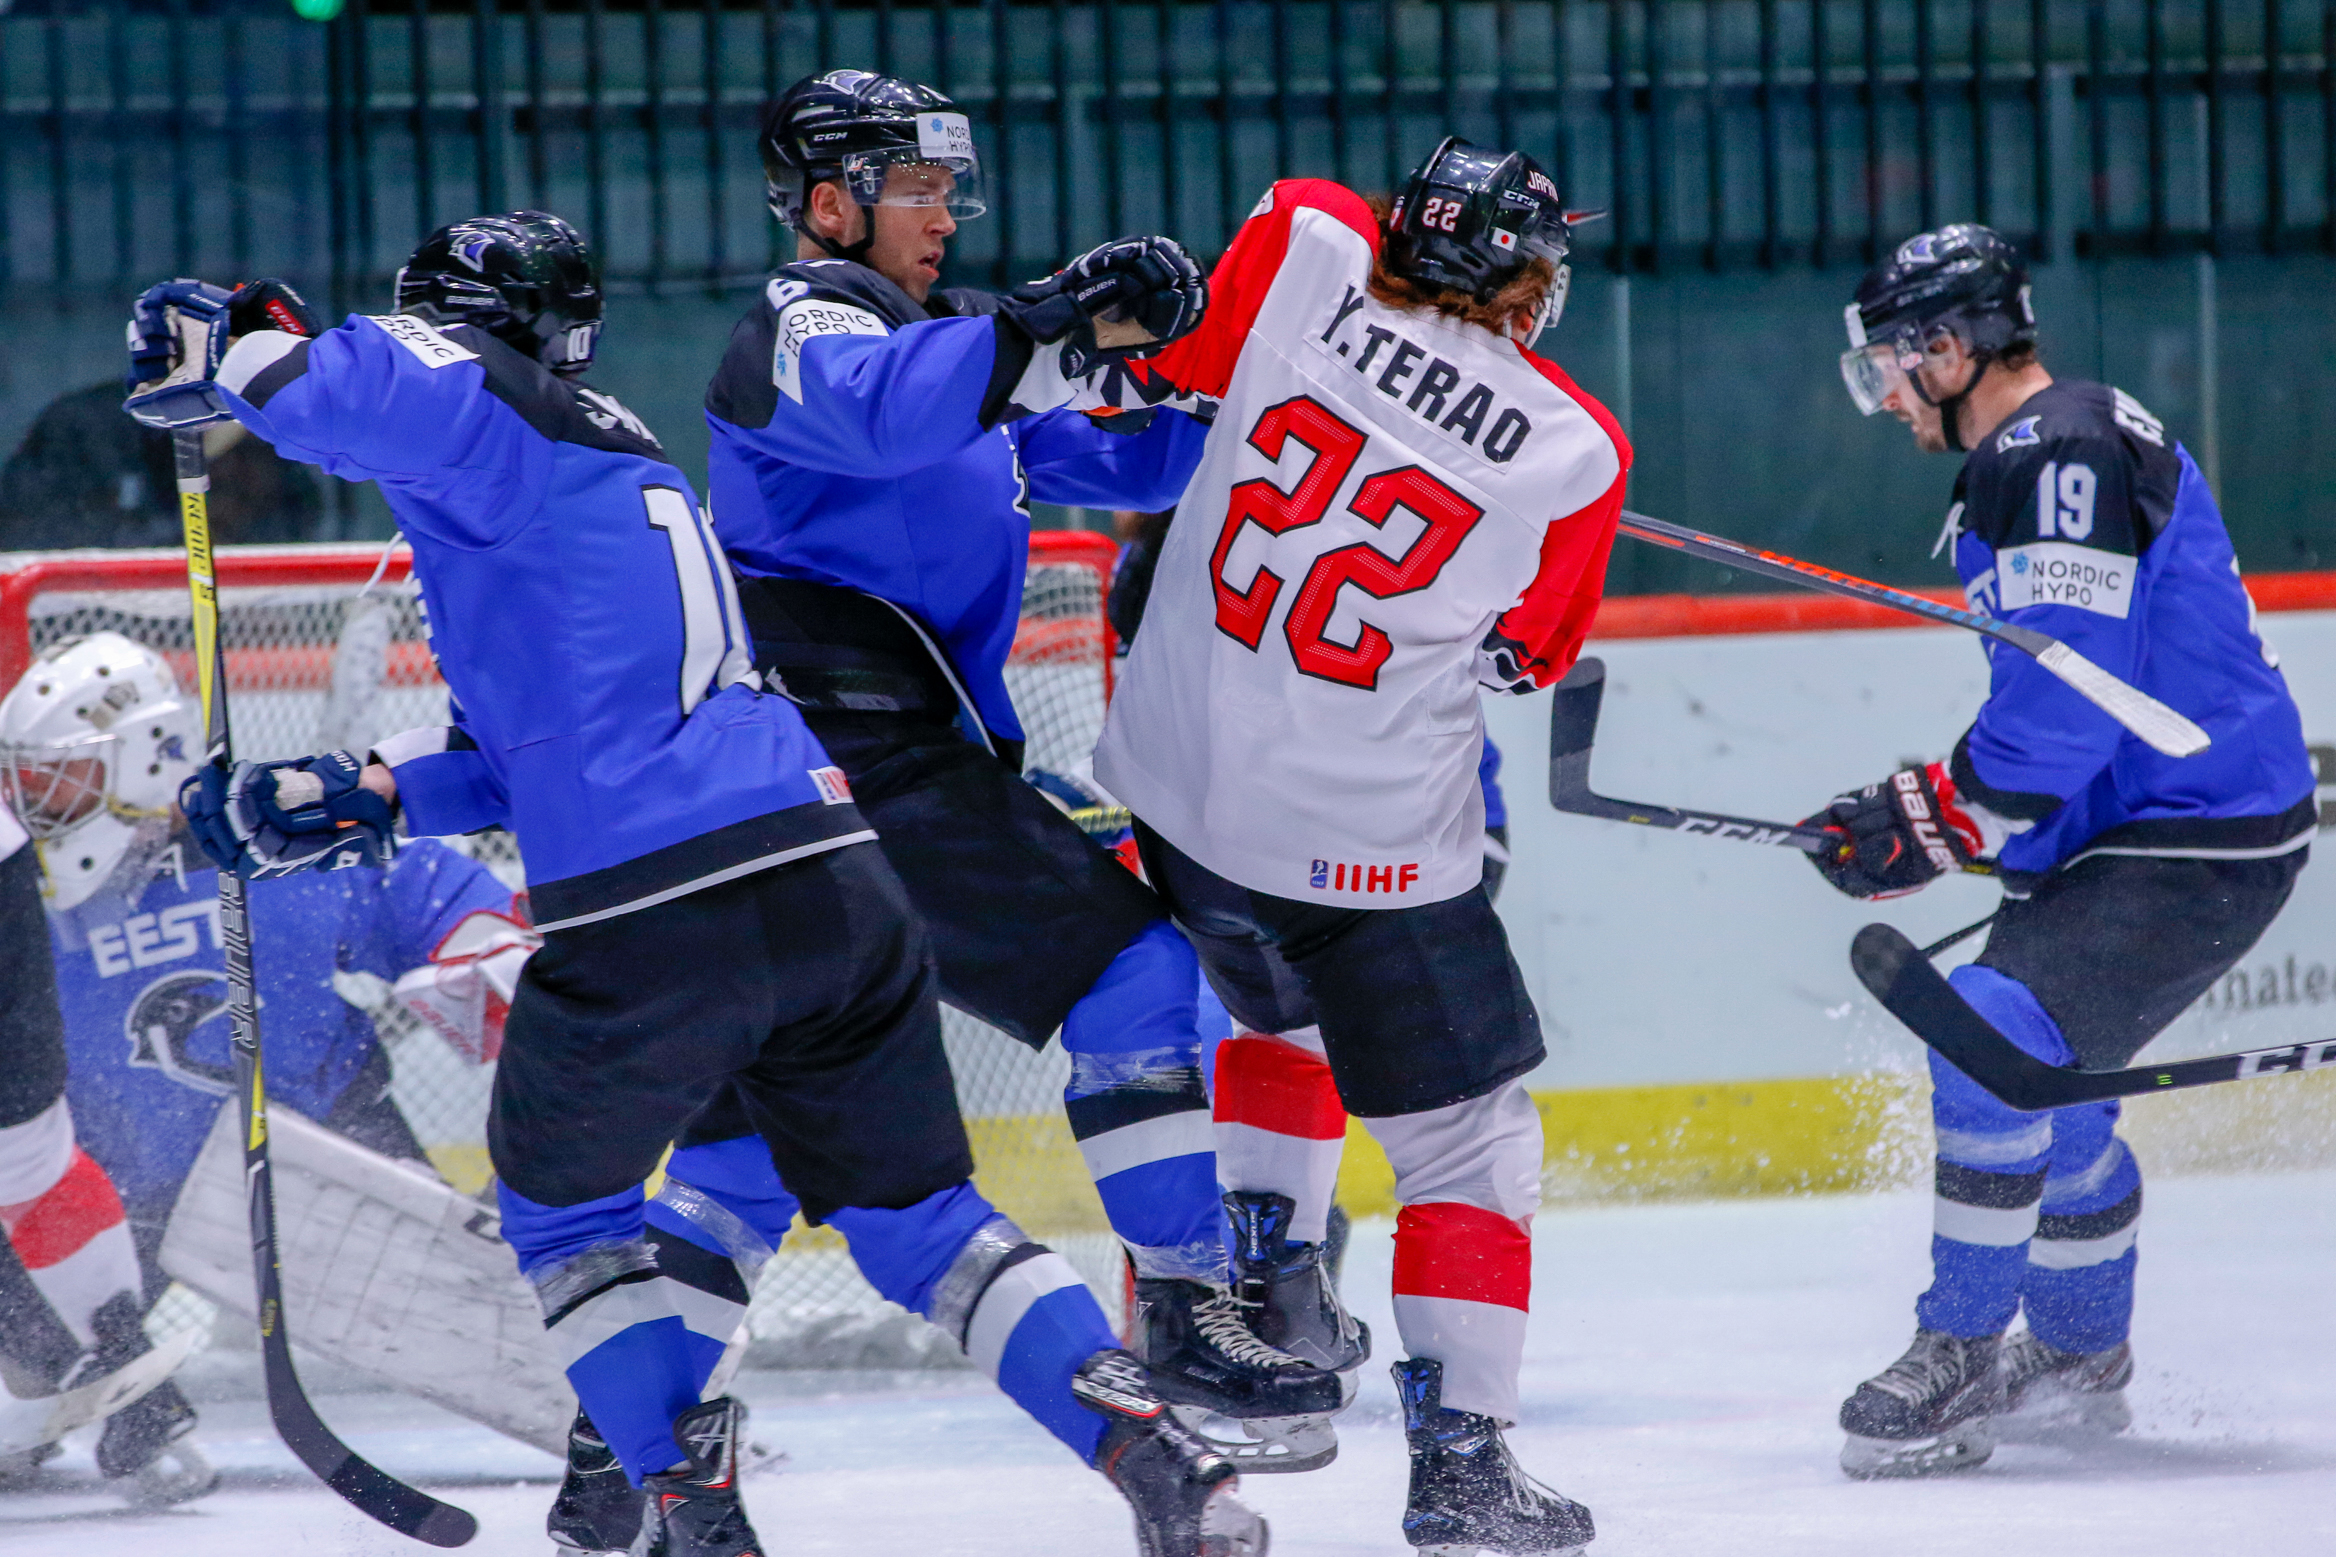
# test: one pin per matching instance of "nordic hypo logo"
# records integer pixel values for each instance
(1337, 876)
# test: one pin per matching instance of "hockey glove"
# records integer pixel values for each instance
(179, 331)
(278, 818)
(1892, 838)
(1114, 301)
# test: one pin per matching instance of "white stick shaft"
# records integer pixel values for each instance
(2131, 707)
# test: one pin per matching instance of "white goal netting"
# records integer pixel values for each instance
(319, 658)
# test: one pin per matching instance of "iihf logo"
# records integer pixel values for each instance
(1319, 876)
(1339, 877)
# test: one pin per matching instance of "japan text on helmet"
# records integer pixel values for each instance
(858, 126)
(524, 277)
(1963, 280)
(94, 742)
(1471, 219)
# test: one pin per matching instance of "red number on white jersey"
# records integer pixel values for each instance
(1242, 614)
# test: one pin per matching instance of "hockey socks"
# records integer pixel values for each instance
(1469, 1176)
(1280, 1128)
(2033, 1209)
(1139, 1111)
(65, 1221)
(638, 1343)
(1018, 1308)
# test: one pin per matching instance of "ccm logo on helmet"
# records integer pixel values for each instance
(1918, 816)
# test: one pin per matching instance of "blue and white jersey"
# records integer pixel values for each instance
(2080, 518)
(142, 982)
(860, 440)
(609, 713)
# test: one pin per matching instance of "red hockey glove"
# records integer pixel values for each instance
(1895, 836)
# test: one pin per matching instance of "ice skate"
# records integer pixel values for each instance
(1468, 1493)
(1182, 1490)
(1931, 1411)
(598, 1510)
(1207, 1363)
(2053, 1396)
(146, 1448)
(696, 1511)
(1289, 1292)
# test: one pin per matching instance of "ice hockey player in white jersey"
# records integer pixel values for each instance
(1399, 503)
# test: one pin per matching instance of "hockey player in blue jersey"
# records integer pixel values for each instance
(95, 739)
(877, 441)
(728, 966)
(2132, 880)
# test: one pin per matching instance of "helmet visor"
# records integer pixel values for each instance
(52, 788)
(943, 170)
(1873, 374)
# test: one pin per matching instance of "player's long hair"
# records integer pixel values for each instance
(1521, 298)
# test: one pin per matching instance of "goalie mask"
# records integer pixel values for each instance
(94, 742)
(524, 277)
(891, 142)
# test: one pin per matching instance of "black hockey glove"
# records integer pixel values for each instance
(1148, 283)
(1895, 836)
(278, 818)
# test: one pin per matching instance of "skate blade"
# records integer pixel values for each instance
(2062, 1416)
(1465, 1549)
(179, 1474)
(1961, 1448)
(1264, 1445)
(1230, 1527)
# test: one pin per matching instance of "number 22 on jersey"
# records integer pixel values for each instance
(1336, 448)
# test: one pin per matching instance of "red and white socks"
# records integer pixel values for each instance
(64, 1220)
(1280, 1126)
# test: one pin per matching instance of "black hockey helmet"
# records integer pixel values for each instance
(1470, 218)
(524, 277)
(857, 126)
(1964, 280)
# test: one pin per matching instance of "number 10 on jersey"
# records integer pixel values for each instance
(1337, 448)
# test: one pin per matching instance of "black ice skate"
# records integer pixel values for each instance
(1931, 1411)
(145, 1448)
(1468, 1493)
(1181, 1489)
(1288, 1294)
(2053, 1396)
(696, 1512)
(598, 1510)
(1206, 1362)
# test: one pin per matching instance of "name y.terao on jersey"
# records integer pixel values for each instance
(1393, 509)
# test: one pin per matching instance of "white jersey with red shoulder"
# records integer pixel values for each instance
(1393, 508)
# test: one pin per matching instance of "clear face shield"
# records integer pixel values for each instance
(1876, 370)
(1548, 235)
(53, 788)
(943, 171)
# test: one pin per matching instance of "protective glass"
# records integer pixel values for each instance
(53, 787)
(1873, 373)
(950, 180)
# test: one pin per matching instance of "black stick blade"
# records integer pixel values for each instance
(1894, 970)
(371, 1490)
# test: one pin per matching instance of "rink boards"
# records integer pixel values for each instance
(1705, 1032)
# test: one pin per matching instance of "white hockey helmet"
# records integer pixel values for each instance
(94, 743)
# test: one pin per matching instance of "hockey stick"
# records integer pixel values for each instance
(1573, 731)
(1903, 980)
(374, 1492)
(2144, 715)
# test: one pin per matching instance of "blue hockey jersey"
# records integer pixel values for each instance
(142, 983)
(2079, 517)
(608, 710)
(851, 448)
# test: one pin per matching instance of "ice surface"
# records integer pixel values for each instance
(1686, 1363)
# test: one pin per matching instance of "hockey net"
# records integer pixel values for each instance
(326, 648)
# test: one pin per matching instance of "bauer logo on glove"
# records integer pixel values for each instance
(1896, 836)
(278, 818)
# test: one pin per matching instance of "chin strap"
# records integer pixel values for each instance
(1950, 408)
(857, 253)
